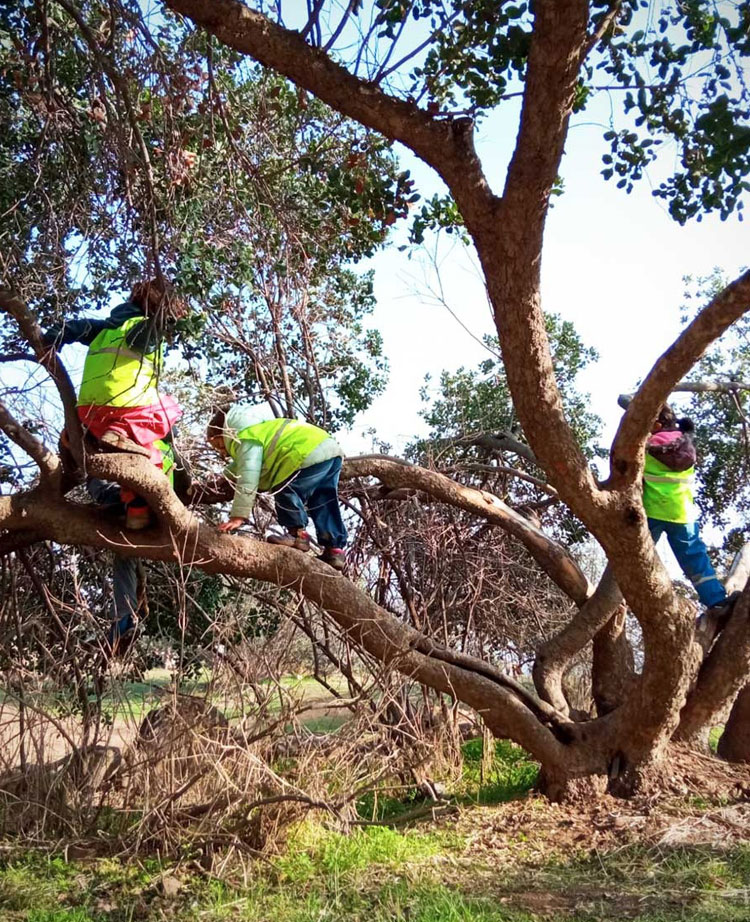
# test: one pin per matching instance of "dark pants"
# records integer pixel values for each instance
(692, 556)
(124, 570)
(314, 490)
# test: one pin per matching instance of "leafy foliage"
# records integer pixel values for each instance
(133, 145)
(678, 68)
(471, 403)
(683, 77)
(439, 213)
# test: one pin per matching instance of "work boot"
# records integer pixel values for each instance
(335, 557)
(116, 441)
(297, 538)
(713, 620)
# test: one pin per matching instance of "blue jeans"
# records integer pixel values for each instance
(314, 490)
(692, 556)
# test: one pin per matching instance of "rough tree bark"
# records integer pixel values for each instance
(722, 675)
(734, 743)
(511, 262)
(612, 667)
(508, 232)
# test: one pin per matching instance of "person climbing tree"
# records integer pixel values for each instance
(119, 403)
(296, 461)
(121, 408)
(668, 478)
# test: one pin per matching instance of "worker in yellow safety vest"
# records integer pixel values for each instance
(668, 483)
(121, 406)
(298, 462)
(119, 401)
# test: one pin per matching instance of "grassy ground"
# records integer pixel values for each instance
(126, 700)
(503, 856)
(378, 874)
(132, 700)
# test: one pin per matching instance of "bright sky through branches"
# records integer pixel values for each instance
(613, 264)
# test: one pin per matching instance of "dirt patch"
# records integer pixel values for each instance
(533, 831)
(610, 858)
(722, 828)
(699, 800)
(685, 772)
(48, 738)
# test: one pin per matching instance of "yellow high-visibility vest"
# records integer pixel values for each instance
(668, 494)
(286, 443)
(114, 375)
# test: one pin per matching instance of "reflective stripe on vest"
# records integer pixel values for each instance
(115, 375)
(286, 443)
(124, 353)
(667, 494)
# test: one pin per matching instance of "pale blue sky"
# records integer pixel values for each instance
(613, 264)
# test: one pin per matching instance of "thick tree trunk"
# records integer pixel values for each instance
(724, 670)
(561, 785)
(555, 654)
(630, 778)
(734, 744)
(612, 666)
(508, 233)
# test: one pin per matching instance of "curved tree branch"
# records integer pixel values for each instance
(18, 540)
(48, 462)
(502, 441)
(722, 311)
(502, 469)
(555, 654)
(442, 144)
(12, 304)
(182, 539)
(725, 669)
(552, 557)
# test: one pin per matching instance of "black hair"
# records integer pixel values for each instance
(667, 417)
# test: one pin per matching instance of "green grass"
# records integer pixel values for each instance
(328, 723)
(130, 701)
(378, 875)
(314, 850)
(133, 700)
(373, 874)
(511, 773)
(444, 872)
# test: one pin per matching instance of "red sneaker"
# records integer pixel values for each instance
(335, 557)
(297, 538)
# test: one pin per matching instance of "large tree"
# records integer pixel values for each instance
(423, 74)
